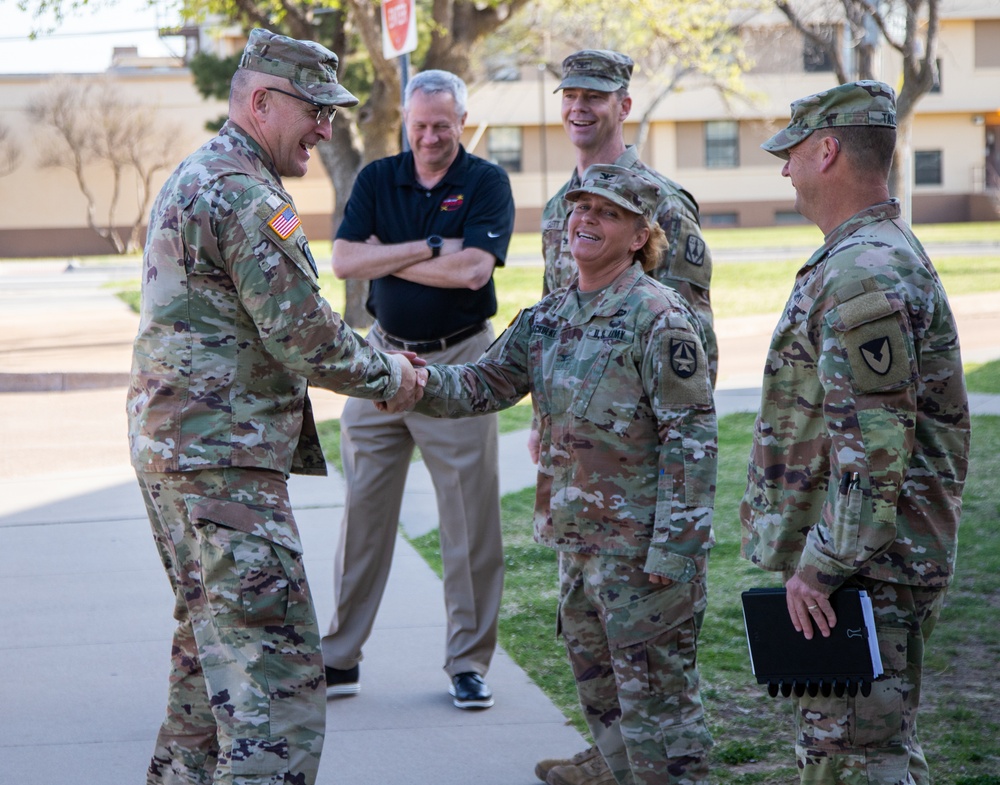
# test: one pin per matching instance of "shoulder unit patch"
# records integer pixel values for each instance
(694, 250)
(683, 357)
(877, 354)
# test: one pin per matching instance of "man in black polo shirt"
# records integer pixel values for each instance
(426, 228)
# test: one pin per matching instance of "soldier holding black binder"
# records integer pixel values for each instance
(861, 445)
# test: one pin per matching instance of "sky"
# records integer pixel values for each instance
(84, 41)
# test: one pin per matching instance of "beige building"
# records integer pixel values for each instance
(713, 149)
(42, 209)
(709, 147)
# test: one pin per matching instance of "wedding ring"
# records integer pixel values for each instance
(811, 607)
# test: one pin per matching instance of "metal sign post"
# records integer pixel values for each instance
(399, 38)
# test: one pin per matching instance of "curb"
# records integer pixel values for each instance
(60, 382)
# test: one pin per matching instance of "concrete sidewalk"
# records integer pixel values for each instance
(87, 621)
(87, 613)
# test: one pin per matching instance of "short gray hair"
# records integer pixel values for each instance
(434, 81)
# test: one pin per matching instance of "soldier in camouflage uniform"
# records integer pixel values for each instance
(595, 105)
(626, 478)
(861, 446)
(232, 327)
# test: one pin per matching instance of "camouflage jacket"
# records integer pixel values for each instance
(232, 324)
(861, 446)
(686, 264)
(628, 429)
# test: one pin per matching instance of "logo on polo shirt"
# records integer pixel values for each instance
(452, 203)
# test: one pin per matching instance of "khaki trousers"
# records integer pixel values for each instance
(461, 456)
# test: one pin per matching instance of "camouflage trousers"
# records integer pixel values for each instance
(633, 649)
(246, 699)
(873, 740)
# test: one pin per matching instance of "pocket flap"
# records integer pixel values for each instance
(650, 616)
(271, 525)
(863, 308)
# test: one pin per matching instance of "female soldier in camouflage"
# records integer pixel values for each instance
(626, 476)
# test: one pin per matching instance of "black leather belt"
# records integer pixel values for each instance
(436, 345)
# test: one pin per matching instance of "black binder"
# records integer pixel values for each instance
(783, 659)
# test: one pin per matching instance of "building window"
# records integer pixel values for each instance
(816, 57)
(503, 70)
(789, 218)
(987, 43)
(719, 220)
(936, 87)
(927, 167)
(504, 146)
(722, 144)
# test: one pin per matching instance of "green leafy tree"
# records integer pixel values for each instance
(212, 76)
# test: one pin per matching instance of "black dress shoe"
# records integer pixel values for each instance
(342, 682)
(470, 691)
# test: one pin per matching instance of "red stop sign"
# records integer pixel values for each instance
(397, 21)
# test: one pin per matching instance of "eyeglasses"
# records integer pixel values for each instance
(323, 112)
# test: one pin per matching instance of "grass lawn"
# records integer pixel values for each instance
(959, 727)
(983, 377)
(743, 289)
(738, 289)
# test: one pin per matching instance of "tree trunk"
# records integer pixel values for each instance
(344, 156)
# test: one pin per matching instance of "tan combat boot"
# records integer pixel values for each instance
(584, 768)
(543, 767)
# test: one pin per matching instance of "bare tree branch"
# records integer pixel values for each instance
(94, 129)
(826, 44)
(10, 151)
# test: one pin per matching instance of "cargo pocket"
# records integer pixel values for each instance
(653, 641)
(251, 564)
(878, 718)
(259, 761)
(835, 723)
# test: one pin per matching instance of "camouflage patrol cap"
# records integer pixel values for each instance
(312, 68)
(855, 103)
(596, 69)
(625, 187)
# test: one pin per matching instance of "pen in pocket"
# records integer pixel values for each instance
(849, 480)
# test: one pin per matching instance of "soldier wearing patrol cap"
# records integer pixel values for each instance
(232, 328)
(616, 365)
(861, 445)
(595, 105)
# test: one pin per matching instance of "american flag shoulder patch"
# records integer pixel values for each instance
(284, 222)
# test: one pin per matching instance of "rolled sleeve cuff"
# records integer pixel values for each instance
(395, 375)
(822, 573)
